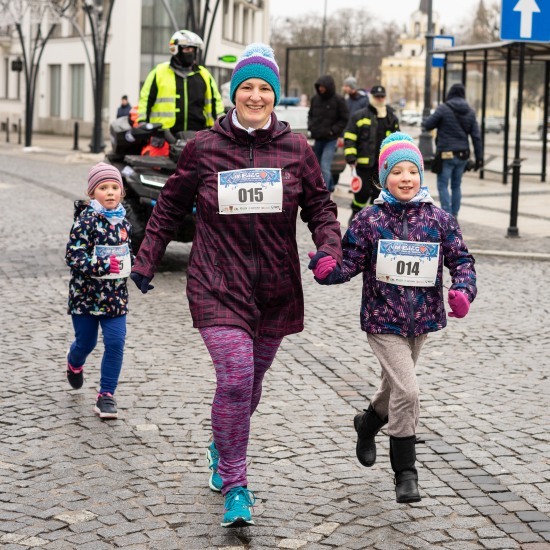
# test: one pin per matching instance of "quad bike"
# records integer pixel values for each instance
(146, 156)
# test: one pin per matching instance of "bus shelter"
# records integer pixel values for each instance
(512, 56)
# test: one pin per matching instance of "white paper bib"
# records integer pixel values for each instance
(407, 263)
(250, 191)
(122, 252)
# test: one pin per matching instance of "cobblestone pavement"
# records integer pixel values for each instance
(69, 480)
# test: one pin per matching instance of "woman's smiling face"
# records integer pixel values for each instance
(254, 101)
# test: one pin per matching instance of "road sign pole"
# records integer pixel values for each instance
(516, 165)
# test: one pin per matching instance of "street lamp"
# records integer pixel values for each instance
(99, 28)
(323, 42)
(425, 143)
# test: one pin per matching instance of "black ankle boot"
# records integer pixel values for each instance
(403, 457)
(367, 425)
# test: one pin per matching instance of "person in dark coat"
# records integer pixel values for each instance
(455, 120)
(366, 130)
(124, 108)
(248, 177)
(327, 117)
(355, 98)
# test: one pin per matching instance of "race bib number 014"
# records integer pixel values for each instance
(407, 263)
(250, 191)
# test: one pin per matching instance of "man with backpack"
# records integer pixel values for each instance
(455, 120)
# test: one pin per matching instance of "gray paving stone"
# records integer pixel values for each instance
(144, 476)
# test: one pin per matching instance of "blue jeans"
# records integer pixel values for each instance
(324, 150)
(86, 328)
(452, 170)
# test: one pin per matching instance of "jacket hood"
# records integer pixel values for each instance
(456, 90)
(458, 105)
(81, 206)
(328, 82)
(225, 127)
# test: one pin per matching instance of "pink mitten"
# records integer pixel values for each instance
(459, 304)
(114, 265)
(321, 266)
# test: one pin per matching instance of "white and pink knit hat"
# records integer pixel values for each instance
(100, 173)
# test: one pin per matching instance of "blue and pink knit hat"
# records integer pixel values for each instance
(257, 61)
(396, 148)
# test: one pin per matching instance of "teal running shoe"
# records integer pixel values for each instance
(215, 482)
(238, 504)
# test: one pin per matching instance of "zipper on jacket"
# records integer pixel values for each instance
(409, 292)
(185, 104)
(253, 237)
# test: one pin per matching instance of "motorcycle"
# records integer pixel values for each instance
(146, 157)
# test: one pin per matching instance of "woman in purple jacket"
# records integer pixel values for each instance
(249, 176)
(401, 244)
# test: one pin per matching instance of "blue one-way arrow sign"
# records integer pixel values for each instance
(525, 20)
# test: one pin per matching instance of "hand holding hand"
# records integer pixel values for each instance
(142, 282)
(114, 264)
(459, 304)
(321, 264)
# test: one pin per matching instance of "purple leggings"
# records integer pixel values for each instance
(240, 362)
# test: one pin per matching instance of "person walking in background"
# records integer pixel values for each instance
(327, 117)
(180, 94)
(364, 133)
(248, 177)
(454, 120)
(124, 108)
(400, 245)
(355, 98)
(99, 256)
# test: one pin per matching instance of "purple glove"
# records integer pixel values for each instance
(321, 264)
(458, 301)
(142, 282)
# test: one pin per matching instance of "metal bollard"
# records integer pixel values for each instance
(75, 142)
(7, 130)
(19, 132)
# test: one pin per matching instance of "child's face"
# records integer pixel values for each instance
(403, 181)
(108, 194)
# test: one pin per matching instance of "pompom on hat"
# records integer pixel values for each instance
(257, 61)
(101, 173)
(396, 148)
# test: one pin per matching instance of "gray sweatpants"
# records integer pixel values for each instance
(397, 396)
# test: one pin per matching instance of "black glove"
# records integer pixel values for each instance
(142, 282)
(331, 278)
(478, 164)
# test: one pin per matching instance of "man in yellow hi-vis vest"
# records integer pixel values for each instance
(180, 94)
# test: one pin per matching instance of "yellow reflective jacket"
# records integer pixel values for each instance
(181, 104)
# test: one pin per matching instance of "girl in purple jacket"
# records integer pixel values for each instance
(400, 244)
(249, 176)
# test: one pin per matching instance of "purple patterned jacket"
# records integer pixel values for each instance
(244, 269)
(405, 310)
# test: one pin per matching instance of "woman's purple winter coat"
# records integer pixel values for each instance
(244, 269)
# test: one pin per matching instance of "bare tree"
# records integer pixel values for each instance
(346, 31)
(42, 16)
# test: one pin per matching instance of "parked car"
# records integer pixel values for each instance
(296, 116)
(410, 118)
(494, 124)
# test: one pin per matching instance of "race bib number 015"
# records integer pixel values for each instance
(407, 263)
(250, 191)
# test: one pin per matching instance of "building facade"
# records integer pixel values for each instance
(138, 39)
(403, 73)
